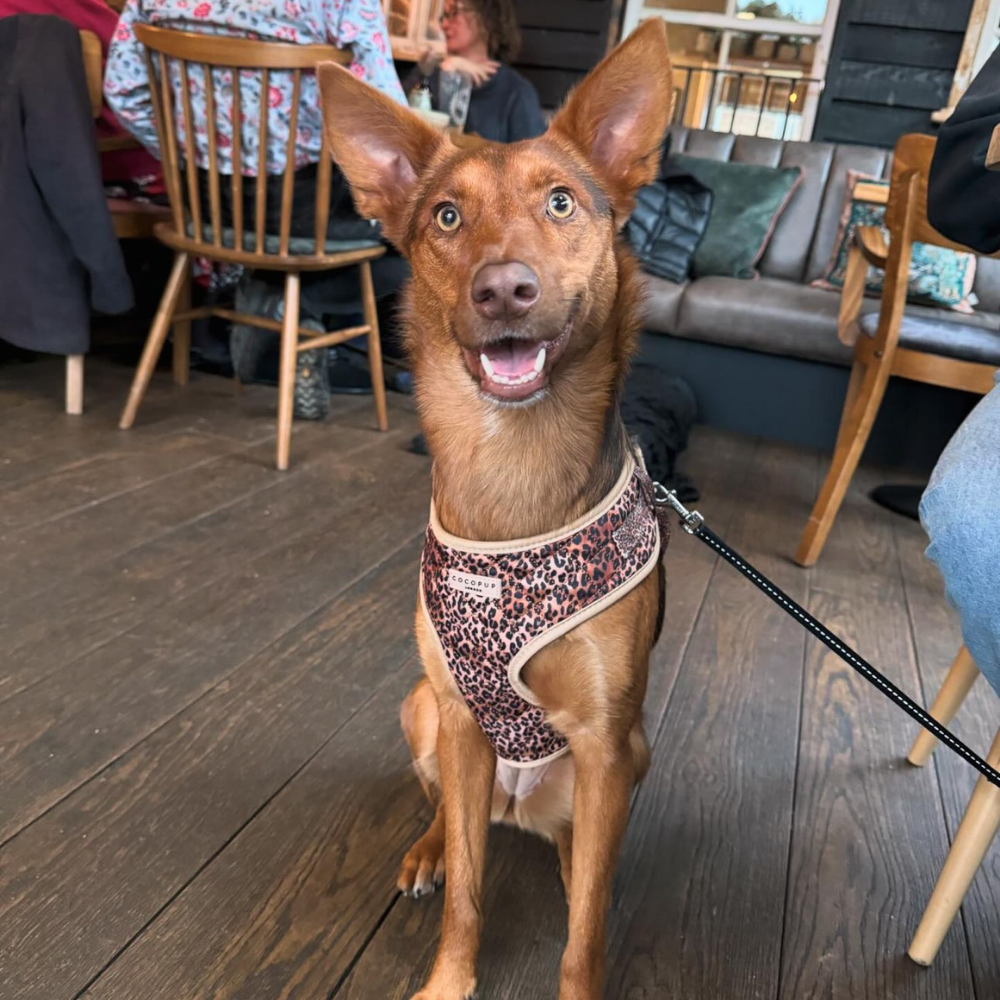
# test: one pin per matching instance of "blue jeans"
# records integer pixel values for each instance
(960, 511)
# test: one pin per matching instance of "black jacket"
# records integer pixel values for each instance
(58, 250)
(963, 197)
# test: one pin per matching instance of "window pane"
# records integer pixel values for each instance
(691, 45)
(757, 105)
(397, 16)
(433, 26)
(773, 53)
(802, 11)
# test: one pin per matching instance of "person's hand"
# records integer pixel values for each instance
(428, 62)
(480, 72)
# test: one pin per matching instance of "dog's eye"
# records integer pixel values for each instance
(447, 218)
(561, 205)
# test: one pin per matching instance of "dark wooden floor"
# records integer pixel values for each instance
(203, 790)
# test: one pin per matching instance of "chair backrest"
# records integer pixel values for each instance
(196, 53)
(911, 164)
(90, 46)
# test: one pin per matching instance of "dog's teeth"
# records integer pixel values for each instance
(487, 367)
(540, 361)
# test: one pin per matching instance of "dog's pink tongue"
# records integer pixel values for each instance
(512, 357)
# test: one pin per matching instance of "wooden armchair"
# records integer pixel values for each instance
(954, 355)
(200, 230)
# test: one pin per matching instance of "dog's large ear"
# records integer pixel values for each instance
(381, 147)
(619, 114)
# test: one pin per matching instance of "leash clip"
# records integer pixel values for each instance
(691, 520)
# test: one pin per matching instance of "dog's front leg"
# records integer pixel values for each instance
(604, 778)
(468, 766)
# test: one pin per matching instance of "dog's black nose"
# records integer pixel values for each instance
(504, 291)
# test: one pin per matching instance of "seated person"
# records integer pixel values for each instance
(481, 37)
(960, 511)
(960, 508)
(133, 167)
(357, 25)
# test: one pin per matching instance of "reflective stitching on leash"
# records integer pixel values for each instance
(930, 723)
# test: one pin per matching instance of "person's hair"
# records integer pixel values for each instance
(499, 21)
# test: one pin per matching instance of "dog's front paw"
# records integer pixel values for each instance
(430, 992)
(423, 870)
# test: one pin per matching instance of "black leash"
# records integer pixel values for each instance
(694, 524)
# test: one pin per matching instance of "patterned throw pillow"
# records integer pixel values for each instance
(938, 276)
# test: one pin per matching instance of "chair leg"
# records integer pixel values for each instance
(286, 377)
(374, 346)
(979, 826)
(182, 335)
(154, 342)
(956, 686)
(853, 388)
(852, 437)
(74, 384)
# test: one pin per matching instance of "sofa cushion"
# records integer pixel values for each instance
(662, 303)
(939, 276)
(934, 334)
(864, 160)
(986, 287)
(788, 252)
(747, 201)
(769, 315)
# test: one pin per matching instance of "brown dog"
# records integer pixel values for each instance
(515, 249)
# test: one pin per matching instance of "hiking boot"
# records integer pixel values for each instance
(312, 383)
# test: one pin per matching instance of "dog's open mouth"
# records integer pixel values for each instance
(515, 368)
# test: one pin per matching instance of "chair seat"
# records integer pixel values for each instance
(943, 337)
(297, 245)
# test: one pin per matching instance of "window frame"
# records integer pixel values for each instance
(729, 21)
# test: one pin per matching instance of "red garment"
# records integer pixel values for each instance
(95, 16)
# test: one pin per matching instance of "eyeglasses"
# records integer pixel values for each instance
(450, 15)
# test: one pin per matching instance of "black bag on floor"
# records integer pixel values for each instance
(659, 411)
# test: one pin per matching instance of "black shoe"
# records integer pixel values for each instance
(419, 445)
(347, 376)
(899, 499)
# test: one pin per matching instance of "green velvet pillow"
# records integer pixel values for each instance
(747, 201)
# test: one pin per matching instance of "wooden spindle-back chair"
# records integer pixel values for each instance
(197, 230)
(892, 349)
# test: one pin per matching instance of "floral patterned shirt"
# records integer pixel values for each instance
(357, 24)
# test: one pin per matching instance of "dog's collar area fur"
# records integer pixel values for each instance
(493, 605)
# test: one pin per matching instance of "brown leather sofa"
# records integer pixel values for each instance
(763, 355)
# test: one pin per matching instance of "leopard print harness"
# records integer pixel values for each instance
(493, 605)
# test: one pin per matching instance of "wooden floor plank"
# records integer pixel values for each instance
(101, 530)
(866, 825)
(41, 638)
(92, 873)
(39, 443)
(233, 830)
(293, 898)
(699, 906)
(937, 636)
(66, 728)
(89, 482)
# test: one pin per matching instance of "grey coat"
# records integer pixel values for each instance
(58, 252)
